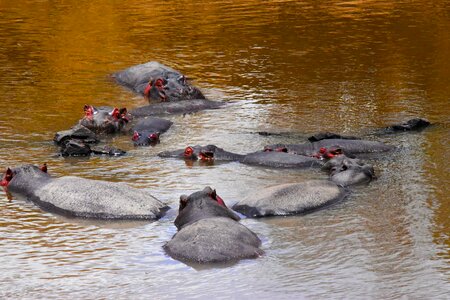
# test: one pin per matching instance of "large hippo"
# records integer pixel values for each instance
(209, 232)
(104, 119)
(181, 107)
(78, 197)
(147, 131)
(291, 198)
(158, 82)
(346, 171)
(350, 147)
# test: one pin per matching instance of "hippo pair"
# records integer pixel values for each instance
(208, 230)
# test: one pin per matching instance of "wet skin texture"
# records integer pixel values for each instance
(104, 119)
(158, 82)
(209, 232)
(83, 198)
(346, 171)
(181, 107)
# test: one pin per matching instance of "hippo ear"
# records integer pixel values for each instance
(43, 168)
(213, 194)
(183, 202)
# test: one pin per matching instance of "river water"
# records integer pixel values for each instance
(286, 66)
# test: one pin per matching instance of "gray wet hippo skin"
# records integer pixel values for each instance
(76, 147)
(290, 199)
(78, 132)
(158, 82)
(147, 131)
(415, 124)
(346, 171)
(104, 119)
(84, 198)
(208, 232)
(173, 108)
(350, 147)
(202, 153)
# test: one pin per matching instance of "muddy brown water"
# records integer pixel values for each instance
(287, 66)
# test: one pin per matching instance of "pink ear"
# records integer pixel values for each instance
(135, 136)
(43, 168)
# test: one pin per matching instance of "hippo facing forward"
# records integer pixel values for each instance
(104, 119)
(209, 231)
(346, 171)
(78, 197)
(147, 131)
(158, 82)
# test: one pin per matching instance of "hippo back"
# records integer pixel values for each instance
(214, 240)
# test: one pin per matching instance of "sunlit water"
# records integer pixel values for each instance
(299, 67)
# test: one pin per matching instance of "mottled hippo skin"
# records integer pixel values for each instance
(158, 82)
(351, 147)
(346, 171)
(290, 199)
(147, 131)
(78, 197)
(209, 232)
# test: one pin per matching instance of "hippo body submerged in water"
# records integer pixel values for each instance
(147, 131)
(173, 108)
(290, 199)
(84, 198)
(209, 232)
(348, 146)
(157, 82)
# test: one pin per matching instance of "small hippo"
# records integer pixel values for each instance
(414, 124)
(147, 131)
(78, 132)
(208, 232)
(83, 198)
(157, 82)
(203, 153)
(290, 199)
(346, 171)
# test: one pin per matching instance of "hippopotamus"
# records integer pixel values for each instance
(104, 119)
(156, 81)
(350, 147)
(346, 171)
(76, 147)
(209, 232)
(147, 131)
(83, 198)
(414, 124)
(290, 199)
(203, 153)
(78, 132)
(181, 107)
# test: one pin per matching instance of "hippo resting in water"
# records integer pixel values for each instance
(289, 199)
(157, 82)
(274, 159)
(349, 147)
(78, 197)
(172, 108)
(209, 232)
(104, 119)
(346, 171)
(147, 131)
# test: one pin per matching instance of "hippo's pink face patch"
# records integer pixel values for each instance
(216, 197)
(88, 111)
(7, 177)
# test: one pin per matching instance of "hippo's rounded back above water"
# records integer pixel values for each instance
(78, 197)
(158, 82)
(289, 199)
(209, 232)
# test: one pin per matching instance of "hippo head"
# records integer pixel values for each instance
(346, 171)
(200, 205)
(11, 173)
(75, 147)
(325, 153)
(155, 89)
(104, 119)
(145, 138)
